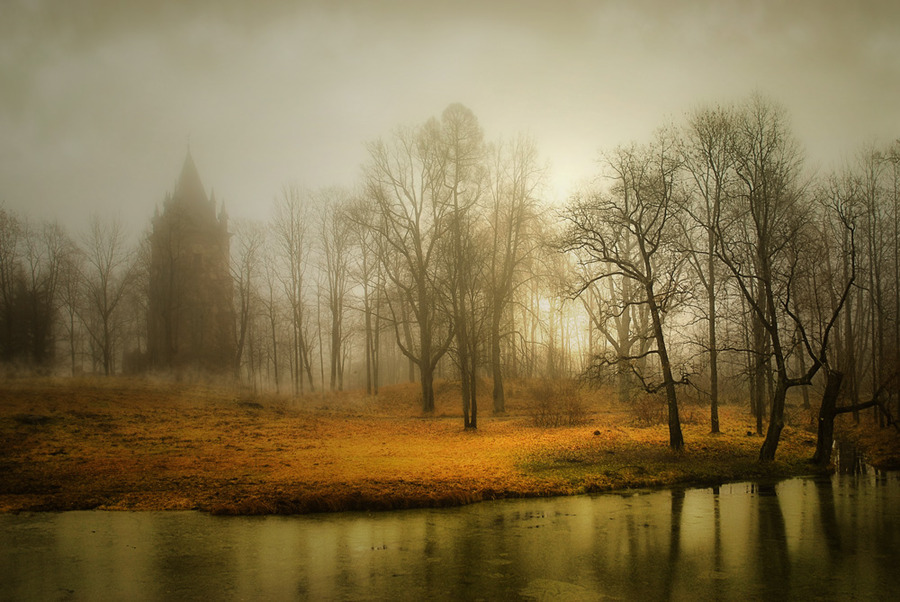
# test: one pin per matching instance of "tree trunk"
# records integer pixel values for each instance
(427, 387)
(368, 357)
(759, 372)
(801, 364)
(72, 340)
(463, 346)
(713, 351)
(474, 384)
(496, 368)
(825, 434)
(107, 348)
(376, 343)
(465, 387)
(776, 423)
(676, 439)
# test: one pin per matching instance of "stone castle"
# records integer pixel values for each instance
(191, 311)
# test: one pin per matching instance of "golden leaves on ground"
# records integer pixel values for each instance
(137, 444)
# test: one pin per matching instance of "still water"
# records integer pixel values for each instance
(836, 538)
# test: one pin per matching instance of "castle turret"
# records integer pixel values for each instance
(191, 314)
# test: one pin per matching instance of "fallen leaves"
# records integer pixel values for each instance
(135, 444)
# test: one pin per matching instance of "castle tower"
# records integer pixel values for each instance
(191, 311)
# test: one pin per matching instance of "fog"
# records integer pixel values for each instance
(100, 99)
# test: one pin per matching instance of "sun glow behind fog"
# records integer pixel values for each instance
(100, 100)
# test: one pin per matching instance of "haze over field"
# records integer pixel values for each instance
(99, 98)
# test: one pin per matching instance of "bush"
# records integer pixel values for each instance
(557, 403)
(648, 410)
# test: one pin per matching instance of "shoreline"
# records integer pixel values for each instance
(278, 504)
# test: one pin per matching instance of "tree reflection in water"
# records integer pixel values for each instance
(798, 539)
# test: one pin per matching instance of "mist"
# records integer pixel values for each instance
(306, 257)
(100, 101)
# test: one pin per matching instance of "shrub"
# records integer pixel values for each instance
(557, 403)
(648, 409)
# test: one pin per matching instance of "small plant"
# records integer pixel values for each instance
(648, 410)
(557, 404)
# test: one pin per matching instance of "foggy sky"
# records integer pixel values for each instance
(99, 98)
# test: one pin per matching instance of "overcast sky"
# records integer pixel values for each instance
(99, 98)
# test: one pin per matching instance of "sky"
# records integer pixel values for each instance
(100, 99)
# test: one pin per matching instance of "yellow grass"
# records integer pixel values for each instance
(136, 444)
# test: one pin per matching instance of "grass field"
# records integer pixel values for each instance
(145, 445)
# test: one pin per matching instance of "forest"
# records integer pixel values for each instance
(709, 261)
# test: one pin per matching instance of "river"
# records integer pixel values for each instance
(804, 538)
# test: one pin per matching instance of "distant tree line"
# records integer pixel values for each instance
(707, 259)
(64, 300)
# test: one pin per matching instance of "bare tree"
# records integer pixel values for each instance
(515, 180)
(820, 290)
(763, 239)
(367, 274)
(615, 308)
(893, 188)
(405, 180)
(760, 221)
(108, 272)
(291, 229)
(10, 269)
(461, 143)
(45, 251)
(843, 190)
(247, 256)
(629, 232)
(271, 304)
(71, 290)
(871, 169)
(335, 242)
(709, 159)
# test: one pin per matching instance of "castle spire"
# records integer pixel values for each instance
(189, 187)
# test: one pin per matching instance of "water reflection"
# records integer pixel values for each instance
(849, 459)
(796, 539)
(773, 566)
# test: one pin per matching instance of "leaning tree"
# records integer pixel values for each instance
(629, 232)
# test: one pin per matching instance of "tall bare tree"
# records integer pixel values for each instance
(271, 305)
(751, 237)
(108, 273)
(291, 230)
(871, 169)
(760, 240)
(247, 256)
(367, 274)
(405, 179)
(71, 292)
(335, 230)
(709, 160)
(893, 188)
(46, 248)
(10, 270)
(515, 180)
(461, 144)
(630, 232)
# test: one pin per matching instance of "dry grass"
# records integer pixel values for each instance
(135, 444)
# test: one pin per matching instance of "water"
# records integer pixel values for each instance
(802, 538)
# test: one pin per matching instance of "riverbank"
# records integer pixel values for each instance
(142, 445)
